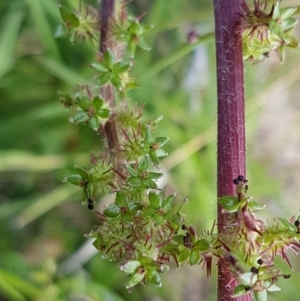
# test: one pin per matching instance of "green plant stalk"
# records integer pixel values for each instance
(231, 117)
(178, 54)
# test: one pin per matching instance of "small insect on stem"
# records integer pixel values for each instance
(90, 204)
(241, 186)
(297, 225)
(240, 180)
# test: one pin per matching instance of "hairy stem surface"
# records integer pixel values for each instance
(231, 116)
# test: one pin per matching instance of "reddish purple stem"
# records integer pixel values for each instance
(231, 116)
(106, 14)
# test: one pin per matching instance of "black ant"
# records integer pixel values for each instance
(240, 180)
(297, 225)
(90, 204)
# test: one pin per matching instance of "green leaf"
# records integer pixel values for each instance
(159, 219)
(194, 257)
(276, 11)
(116, 81)
(112, 211)
(142, 44)
(154, 157)
(81, 117)
(149, 211)
(97, 103)
(134, 207)
(154, 175)
(103, 113)
(100, 67)
(275, 28)
(280, 51)
(167, 203)
(255, 206)
(90, 187)
(149, 137)
(153, 277)
(68, 17)
(160, 153)
(109, 59)
(179, 238)
(288, 23)
(130, 170)
(99, 242)
(143, 164)
(132, 85)
(290, 226)
(134, 279)
(135, 28)
(184, 255)
(292, 42)
(149, 183)
(147, 27)
(202, 245)
(162, 140)
(287, 12)
(121, 199)
(94, 123)
(74, 21)
(75, 179)
(130, 267)
(121, 67)
(132, 48)
(104, 79)
(155, 200)
(229, 202)
(84, 103)
(134, 181)
(83, 172)
(65, 13)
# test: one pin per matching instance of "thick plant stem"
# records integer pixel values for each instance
(231, 117)
(106, 14)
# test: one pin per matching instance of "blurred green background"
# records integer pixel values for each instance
(43, 252)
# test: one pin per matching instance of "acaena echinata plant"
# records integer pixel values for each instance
(266, 27)
(144, 228)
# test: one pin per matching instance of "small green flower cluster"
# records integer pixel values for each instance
(131, 31)
(137, 229)
(136, 232)
(263, 32)
(249, 247)
(78, 25)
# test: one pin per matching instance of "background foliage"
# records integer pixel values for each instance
(44, 255)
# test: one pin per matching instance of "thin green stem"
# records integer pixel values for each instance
(178, 54)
